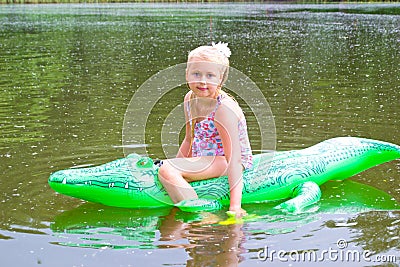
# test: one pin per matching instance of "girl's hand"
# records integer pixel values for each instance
(237, 212)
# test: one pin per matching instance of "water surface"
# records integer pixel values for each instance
(68, 72)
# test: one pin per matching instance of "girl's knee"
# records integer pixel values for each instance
(162, 170)
(165, 171)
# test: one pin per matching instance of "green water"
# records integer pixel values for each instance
(68, 73)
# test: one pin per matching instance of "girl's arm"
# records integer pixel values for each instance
(226, 119)
(185, 149)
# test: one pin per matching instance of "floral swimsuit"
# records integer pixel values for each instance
(207, 141)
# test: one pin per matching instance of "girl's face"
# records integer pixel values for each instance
(204, 78)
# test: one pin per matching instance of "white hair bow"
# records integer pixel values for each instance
(222, 48)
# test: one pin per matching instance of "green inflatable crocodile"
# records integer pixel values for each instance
(295, 176)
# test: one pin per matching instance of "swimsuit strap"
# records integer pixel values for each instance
(219, 101)
(188, 111)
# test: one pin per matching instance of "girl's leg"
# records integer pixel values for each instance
(175, 174)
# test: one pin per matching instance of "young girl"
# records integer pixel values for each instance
(216, 141)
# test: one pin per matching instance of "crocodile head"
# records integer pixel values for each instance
(133, 169)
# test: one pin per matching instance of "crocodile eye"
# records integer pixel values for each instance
(144, 162)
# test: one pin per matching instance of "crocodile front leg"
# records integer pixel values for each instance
(199, 205)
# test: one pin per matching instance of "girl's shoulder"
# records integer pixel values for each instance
(187, 96)
(229, 105)
(228, 101)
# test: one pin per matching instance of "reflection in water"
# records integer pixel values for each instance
(204, 236)
(210, 244)
(205, 241)
(97, 226)
(370, 237)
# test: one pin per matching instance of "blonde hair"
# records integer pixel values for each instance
(211, 54)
